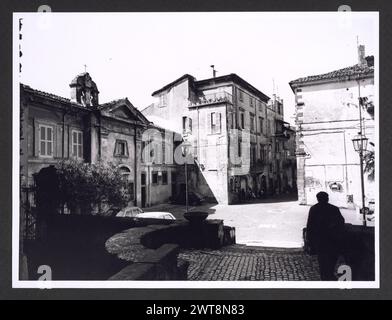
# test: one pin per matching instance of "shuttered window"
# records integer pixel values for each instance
(261, 125)
(252, 123)
(46, 141)
(215, 120)
(186, 124)
(77, 144)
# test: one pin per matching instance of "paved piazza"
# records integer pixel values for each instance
(274, 222)
(238, 262)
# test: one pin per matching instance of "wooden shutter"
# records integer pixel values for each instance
(220, 122)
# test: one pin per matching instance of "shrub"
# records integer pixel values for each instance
(369, 163)
(85, 185)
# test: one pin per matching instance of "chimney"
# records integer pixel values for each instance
(213, 71)
(361, 55)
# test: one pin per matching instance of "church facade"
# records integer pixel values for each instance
(55, 128)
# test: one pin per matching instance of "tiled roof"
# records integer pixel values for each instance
(46, 94)
(349, 73)
(50, 95)
(111, 103)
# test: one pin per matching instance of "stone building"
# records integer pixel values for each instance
(55, 128)
(282, 160)
(289, 160)
(233, 130)
(327, 119)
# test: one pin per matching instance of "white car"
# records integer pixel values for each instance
(139, 213)
(129, 212)
(156, 215)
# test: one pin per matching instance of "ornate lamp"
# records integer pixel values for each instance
(360, 143)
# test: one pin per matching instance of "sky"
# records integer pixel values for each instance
(133, 54)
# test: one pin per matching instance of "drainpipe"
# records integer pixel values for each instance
(198, 134)
(135, 168)
(148, 180)
(99, 135)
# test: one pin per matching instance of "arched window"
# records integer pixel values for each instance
(125, 170)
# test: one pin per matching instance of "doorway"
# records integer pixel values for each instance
(143, 189)
(174, 184)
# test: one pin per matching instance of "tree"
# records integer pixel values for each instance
(369, 162)
(85, 186)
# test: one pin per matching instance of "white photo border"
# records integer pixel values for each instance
(108, 284)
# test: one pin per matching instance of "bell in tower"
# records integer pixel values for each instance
(84, 90)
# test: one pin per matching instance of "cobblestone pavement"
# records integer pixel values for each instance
(239, 262)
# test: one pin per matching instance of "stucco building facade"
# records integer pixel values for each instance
(327, 119)
(235, 131)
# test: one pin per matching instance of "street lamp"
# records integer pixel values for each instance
(360, 144)
(184, 148)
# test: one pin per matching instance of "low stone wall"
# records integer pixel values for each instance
(152, 250)
(360, 252)
(159, 264)
(74, 246)
(85, 247)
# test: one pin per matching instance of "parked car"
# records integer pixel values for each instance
(136, 212)
(156, 215)
(129, 212)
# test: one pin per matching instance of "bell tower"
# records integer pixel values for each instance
(84, 90)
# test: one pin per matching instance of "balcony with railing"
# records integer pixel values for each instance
(212, 98)
(282, 131)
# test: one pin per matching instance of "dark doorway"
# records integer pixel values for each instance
(263, 184)
(271, 186)
(174, 184)
(143, 186)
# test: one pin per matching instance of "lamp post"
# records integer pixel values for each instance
(360, 145)
(185, 146)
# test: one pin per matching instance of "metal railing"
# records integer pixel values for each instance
(212, 98)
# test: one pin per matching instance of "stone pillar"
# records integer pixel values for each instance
(93, 139)
(138, 167)
(301, 179)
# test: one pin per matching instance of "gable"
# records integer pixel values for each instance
(123, 109)
(124, 113)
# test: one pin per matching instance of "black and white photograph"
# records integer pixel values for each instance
(195, 149)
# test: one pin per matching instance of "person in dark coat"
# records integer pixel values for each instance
(325, 234)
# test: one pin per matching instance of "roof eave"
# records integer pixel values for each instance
(236, 79)
(171, 84)
(295, 84)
